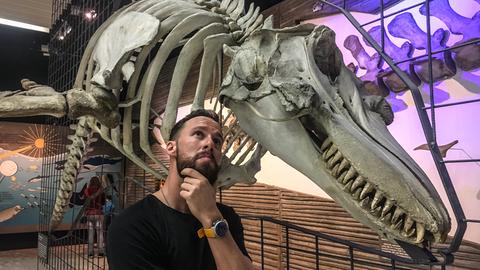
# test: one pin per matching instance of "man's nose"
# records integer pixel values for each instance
(209, 143)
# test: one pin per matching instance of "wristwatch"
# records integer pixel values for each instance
(218, 229)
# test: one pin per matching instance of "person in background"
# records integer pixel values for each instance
(95, 199)
(111, 193)
(108, 210)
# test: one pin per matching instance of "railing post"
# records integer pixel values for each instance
(288, 249)
(350, 250)
(261, 244)
(393, 264)
(316, 253)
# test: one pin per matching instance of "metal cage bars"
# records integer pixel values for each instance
(429, 129)
(69, 35)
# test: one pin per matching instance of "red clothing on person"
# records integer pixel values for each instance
(95, 205)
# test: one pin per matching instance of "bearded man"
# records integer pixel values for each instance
(181, 226)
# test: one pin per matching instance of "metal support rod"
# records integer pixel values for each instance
(461, 160)
(473, 220)
(430, 74)
(393, 13)
(393, 264)
(453, 104)
(473, 41)
(427, 130)
(382, 24)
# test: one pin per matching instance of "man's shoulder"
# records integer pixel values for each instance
(226, 210)
(224, 206)
(137, 211)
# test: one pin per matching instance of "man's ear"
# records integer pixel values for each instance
(172, 148)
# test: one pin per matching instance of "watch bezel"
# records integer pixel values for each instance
(220, 227)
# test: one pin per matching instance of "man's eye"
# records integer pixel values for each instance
(218, 142)
(197, 133)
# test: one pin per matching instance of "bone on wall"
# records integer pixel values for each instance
(467, 58)
(443, 67)
(444, 64)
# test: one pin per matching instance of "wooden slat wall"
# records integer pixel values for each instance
(288, 12)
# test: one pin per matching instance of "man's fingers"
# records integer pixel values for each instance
(184, 194)
(194, 181)
(192, 173)
(186, 186)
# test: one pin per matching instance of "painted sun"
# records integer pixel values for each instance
(38, 140)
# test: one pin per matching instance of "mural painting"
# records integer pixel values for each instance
(22, 150)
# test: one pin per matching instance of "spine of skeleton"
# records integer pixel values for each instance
(76, 153)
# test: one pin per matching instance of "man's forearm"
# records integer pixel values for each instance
(227, 254)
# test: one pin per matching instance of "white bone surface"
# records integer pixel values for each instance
(128, 32)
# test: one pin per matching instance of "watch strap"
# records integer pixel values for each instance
(212, 231)
(206, 232)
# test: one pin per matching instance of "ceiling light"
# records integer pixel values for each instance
(24, 25)
(90, 15)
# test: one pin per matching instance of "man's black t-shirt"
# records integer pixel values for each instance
(150, 235)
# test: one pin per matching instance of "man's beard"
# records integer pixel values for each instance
(210, 171)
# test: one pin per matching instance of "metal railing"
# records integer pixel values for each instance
(385, 260)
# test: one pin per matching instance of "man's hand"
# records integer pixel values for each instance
(200, 197)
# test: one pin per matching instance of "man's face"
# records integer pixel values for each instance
(199, 146)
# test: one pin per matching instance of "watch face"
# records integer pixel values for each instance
(221, 228)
